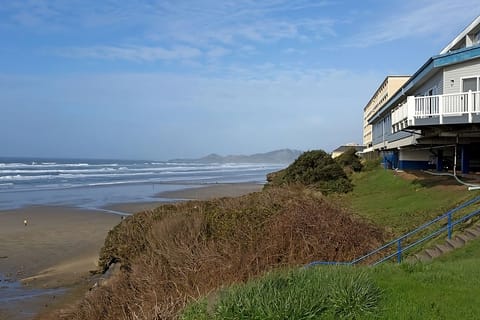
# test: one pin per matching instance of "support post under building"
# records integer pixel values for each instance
(465, 158)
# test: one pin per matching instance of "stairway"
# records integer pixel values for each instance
(445, 223)
(458, 241)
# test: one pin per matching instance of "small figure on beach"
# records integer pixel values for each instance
(25, 222)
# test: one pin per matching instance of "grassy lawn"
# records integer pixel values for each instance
(402, 203)
(447, 288)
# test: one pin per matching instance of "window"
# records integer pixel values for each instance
(470, 84)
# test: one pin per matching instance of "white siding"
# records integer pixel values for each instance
(414, 155)
(458, 71)
(436, 81)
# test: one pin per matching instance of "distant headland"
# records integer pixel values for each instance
(278, 156)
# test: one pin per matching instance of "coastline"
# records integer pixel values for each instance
(60, 245)
(206, 192)
(56, 249)
(212, 191)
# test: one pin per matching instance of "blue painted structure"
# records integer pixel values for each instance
(465, 149)
(396, 248)
(412, 165)
(390, 159)
(439, 165)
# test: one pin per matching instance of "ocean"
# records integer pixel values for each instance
(98, 183)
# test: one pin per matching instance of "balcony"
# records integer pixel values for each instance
(443, 109)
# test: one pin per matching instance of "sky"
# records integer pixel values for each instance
(147, 79)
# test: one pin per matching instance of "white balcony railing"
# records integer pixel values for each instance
(436, 107)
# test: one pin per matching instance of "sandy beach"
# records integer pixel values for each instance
(60, 245)
(197, 193)
(212, 191)
(57, 248)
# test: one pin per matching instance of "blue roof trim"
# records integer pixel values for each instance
(457, 56)
(434, 62)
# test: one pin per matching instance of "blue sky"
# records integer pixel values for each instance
(165, 79)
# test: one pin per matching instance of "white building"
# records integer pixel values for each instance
(434, 118)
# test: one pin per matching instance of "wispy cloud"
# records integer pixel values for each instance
(417, 19)
(218, 28)
(132, 53)
(217, 52)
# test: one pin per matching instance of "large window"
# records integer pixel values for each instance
(470, 84)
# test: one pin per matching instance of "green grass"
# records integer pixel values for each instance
(399, 204)
(330, 293)
(447, 288)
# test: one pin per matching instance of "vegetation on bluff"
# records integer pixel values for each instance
(181, 252)
(350, 161)
(315, 293)
(446, 288)
(315, 169)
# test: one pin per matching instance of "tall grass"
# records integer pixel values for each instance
(447, 288)
(323, 293)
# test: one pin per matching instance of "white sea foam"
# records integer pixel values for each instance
(23, 171)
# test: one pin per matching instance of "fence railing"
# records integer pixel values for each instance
(396, 248)
(438, 106)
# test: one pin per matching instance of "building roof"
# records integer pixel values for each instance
(346, 147)
(445, 58)
(380, 86)
(472, 27)
(432, 64)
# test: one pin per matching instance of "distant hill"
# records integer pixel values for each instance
(278, 156)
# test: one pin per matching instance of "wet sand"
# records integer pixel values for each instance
(56, 249)
(212, 191)
(198, 193)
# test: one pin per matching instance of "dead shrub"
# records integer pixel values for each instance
(181, 252)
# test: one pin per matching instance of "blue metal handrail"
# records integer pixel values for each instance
(400, 240)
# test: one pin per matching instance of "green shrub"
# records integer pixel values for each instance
(314, 169)
(350, 159)
(371, 164)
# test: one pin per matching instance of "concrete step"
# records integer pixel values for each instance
(474, 232)
(464, 237)
(455, 243)
(422, 256)
(444, 248)
(433, 252)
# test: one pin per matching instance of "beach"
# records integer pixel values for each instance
(59, 246)
(212, 191)
(56, 248)
(206, 192)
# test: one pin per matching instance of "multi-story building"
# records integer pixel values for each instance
(389, 86)
(433, 120)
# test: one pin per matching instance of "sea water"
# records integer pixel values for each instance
(97, 183)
